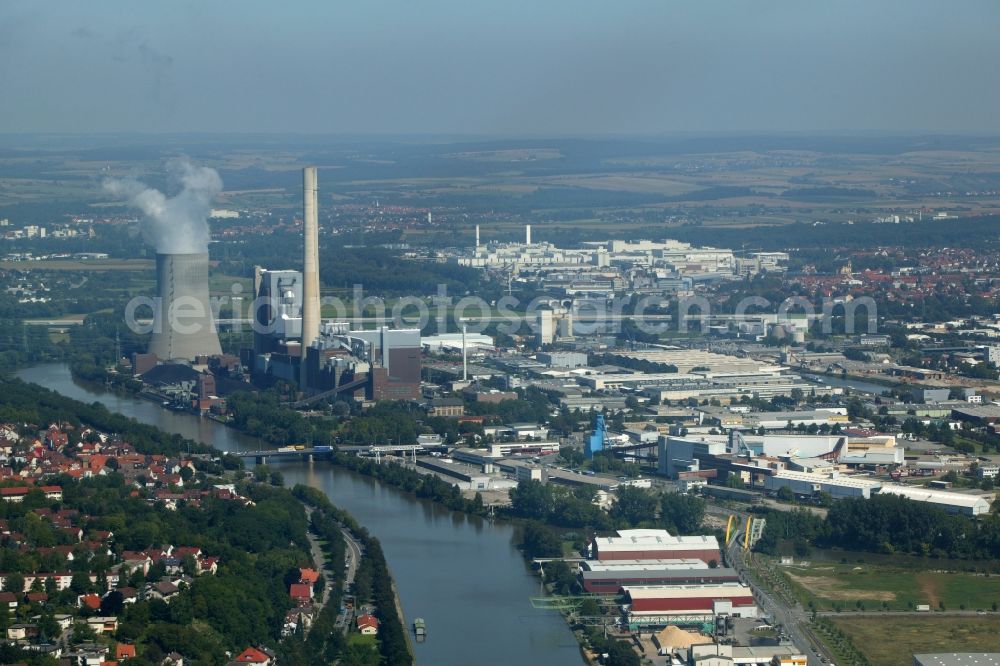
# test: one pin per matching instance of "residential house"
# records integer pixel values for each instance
(259, 656)
(367, 625)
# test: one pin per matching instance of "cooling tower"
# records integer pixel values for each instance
(185, 326)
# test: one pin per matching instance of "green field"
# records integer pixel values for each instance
(892, 641)
(833, 586)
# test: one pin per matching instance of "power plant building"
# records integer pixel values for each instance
(291, 342)
(389, 359)
(381, 364)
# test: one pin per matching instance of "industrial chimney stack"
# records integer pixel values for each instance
(527, 234)
(310, 270)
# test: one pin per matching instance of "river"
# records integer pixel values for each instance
(840, 382)
(461, 574)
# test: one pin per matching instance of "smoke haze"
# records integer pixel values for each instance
(177, 224)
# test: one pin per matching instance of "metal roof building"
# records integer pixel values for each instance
(666, 601)
(610, 581)
(658, 565)
(654, 544)
(804, 483)
(962, 503)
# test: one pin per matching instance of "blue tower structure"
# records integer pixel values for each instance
(597, 438)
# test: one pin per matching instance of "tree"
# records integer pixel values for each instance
(48, 628)
(785, 494)
(682, 514)
(80, 583)
(112, 604)
(621, 653)
(531, 499)
(590, 608)
(633, 506)
(559, 574)
(537, 540)
(735, 481)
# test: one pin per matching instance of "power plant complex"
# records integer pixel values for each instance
(324, 359)
(290, 341)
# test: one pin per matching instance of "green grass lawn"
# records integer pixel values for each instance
(892, 641)
(877, 586)
(354, 638)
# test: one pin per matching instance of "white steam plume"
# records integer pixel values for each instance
(178, 224)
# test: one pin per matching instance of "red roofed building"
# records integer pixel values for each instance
(97, 463)
(368, 625)
(123, 651)
(209, 565)
(91, 601)
(18, 494)
(254, 656)
(300, 592)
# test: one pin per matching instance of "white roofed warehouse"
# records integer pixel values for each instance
(654, 544)
(837, 486)
(678, 604)
(960, 503)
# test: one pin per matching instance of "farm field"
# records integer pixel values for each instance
(892, 641)
(853, 586)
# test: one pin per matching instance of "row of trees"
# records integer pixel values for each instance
(633, 507)
(887, 524)
(377, 579)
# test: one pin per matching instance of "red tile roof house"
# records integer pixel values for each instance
(300, 591)
(123, 651)
(91, 601)
(368, 625)
(209, 565)
(19, 493)
(255, 656)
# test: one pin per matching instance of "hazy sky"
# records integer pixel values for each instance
(499, 66)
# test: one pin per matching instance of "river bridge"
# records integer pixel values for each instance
(261, 456)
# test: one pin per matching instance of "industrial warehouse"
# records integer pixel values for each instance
(655, 545)
(665, 604)
(808, 466)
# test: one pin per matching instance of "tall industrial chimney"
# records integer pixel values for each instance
(465, 355)
(527, 234)
(310, 268)
(184, 326)
(477, 236)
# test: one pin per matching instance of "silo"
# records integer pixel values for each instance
(184, 326)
